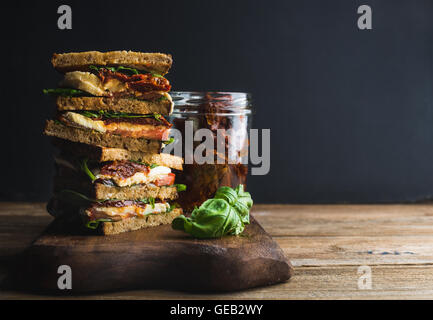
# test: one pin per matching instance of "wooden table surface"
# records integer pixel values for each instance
(327, 244)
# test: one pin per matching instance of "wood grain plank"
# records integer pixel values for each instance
(345, 220)
(326, 243)
(335, 282)
(18, 231)
(322, 251)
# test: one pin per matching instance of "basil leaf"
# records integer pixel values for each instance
(173, 206)
(171, 140)
(86, 170)
(90, 114)
(157, 116)
(226, 214)
(126, 70)
(117, 115)
(149, 200)
(152, 166)
(180, 187)
(64, 92)
(213, 219)
(94, 224)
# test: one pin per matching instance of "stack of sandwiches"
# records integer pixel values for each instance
(110, 129)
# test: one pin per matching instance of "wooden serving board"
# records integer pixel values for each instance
(154, 258)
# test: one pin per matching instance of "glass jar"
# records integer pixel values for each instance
(231, 111)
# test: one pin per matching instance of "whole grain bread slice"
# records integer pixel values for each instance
(162, 105)
(80, 61)
(141, 191)
(131, 224)
(59, 130)
(103, 154)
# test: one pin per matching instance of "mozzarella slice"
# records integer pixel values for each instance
(168, 96)
(85, 81)
(90, 83)
(86, 122)
(139, 177)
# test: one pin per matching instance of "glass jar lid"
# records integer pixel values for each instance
(211, 102)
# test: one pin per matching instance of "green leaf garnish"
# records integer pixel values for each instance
(152, 166)
(171, 140)
(173, 206)
(157, 116)
(117, 115)
(86, 170)
(225, 214)
(149, 200)
(90, 114)
(180, 187)
(93, 224)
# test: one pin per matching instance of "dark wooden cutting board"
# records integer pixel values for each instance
(151, 258)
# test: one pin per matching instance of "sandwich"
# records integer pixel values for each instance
(110, 128)
(114, 99)
(114, 190)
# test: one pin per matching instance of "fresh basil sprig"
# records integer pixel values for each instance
(151, 166)
(173, 206)
(225, 214)
(94, 224)
(171, 140)
(180, 187)
(86, 170)
(149, 200)
(117, 115)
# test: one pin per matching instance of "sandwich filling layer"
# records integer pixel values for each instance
(118, 210)
(121, 173)
(133, 126)
(107, 83)
(127, 173)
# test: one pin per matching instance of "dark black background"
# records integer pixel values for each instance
(350, 111)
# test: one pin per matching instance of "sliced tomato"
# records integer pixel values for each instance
(166, 180)
(157, 133)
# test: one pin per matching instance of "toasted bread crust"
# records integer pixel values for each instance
(103, 192)
(80, 61)
(131, 224)
(55, 129)
(102, 154)
(161, 106)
